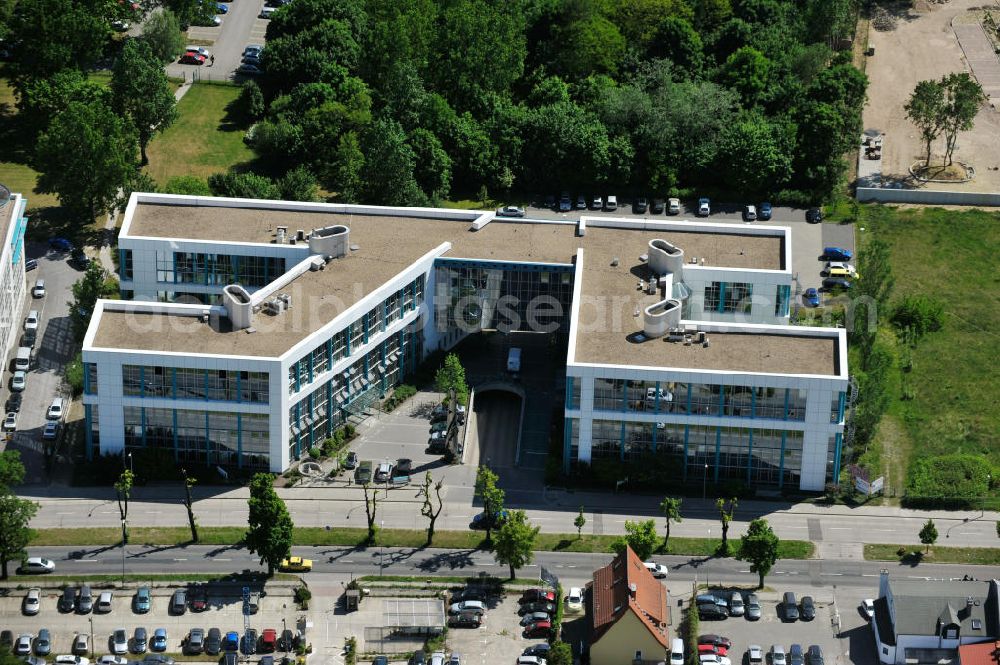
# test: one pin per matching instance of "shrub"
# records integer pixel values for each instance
(920, 313)
(302, 597)
(558, 618)
(953, 480)
(74, 374)
(690, 630)
(315, 452)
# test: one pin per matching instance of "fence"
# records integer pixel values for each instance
(928, 196)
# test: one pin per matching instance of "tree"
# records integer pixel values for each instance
(492, 497)
(162, 31)
(640, 536)
(53, 35)
(94, 285)
(926, 109)
(39, 100)
(670, 508)
(759, 546)
(677, 40)
(561, 653)
(726, 510)
(428, 509)
(141, 91)
(591, 45)
(371, 511)
(928, 534)
(451, 376)
(387, 175)
(754, 154)
(515, 542)
(123, 490)
(579, 523)
(433, 165)
(270, 532)
(86, 155)
(251, 100)
(243, 185)
(748, 71)
(15, 515)
(187, 184)
(963, 97)
(189, 482)
(298, 185)
(11, 469)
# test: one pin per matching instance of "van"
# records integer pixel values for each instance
(267, 12)
(790, 607)
(677, 651)
(23, 359)
(514, 360)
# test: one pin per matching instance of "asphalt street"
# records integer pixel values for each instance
(345, 561)
(240, 26)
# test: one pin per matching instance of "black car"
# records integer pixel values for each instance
(13, 402)
(30, 264)
(231, 658)
(715, 640)
(465, 620)
(814, 215)
(709, 611)
(790, 607)
(657, 207)
(550, 201)
(417, 658)
(528, 608)
(539, 650)
(814, 655)
(380, 660)
(67, 602)
(565, 203)
(6, 639)
(286, 641)
(807, 611)
(79, 258)
(639, 205)
(213, 642)
(249, 642)
(468, 593)
(831, 283)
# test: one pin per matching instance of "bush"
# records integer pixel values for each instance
(920, 314)
(302, 596)
(558, 618)
(690, 629)
(187, 184)
(315, 452)
(251, 101)
(399, 395)
(74, 374)
(956, 480)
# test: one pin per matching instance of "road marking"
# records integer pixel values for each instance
(839, 528)
(869, 575)
(221, 559)
(571, 566)
(742, 571)
(348, 561)
(87, 560)
(186, 559)
(831, 574)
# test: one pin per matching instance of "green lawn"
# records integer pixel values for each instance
(203, 140)
(952, 256)
(21, 179)
(985, 556)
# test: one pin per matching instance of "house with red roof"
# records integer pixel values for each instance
(628, 614)
(984, 653)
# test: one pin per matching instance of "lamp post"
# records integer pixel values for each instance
(704, 484)
(91, 636)
(284, 628)
(124, 526)
(131, 464)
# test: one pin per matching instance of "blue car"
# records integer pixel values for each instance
(231, 642)
(811, 297)
(60, 244)
(764, 212)
(159, 641)
(480, 521)
(221, 8)
(837, 254)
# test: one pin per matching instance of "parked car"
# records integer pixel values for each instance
(191, 58)
(404, 465)
(581, 202)
(814, 655)
(286, 642)
(10, 422)
(658, 570)
(81, 644)
(753, 607)
(537, 606)
(868, 608)
(35, 565)
(253, 50)
(104, 602)
(811, 297)
(178, 602)
(795, 655)
(844, 270)
(32, 602)
(60, 244)
(574, 600)
(19, 381)
(709, 611)
(755, 655)
(465, 620)
(253, 602)
(640, 205)
(195, 641)
(268, 640)
(38, 290)
(363, 474)
(467, 606)
(119, 641)
(814, 215)
(736, 606)
(538, 595)
(778, 655)
(158, 659)
(537, 629)
(565, 203)
(481, 520)
(596, 203)
(673, 206)
(108, 660)
(159, 641)
(30, 265)
(213, 642)
(657, 206)
(67, 601)
(50, 431)
(532, 617)
(296, 564)
(750, 213)
(764, 211)
(611, 203)
(833, 283)
(13, 402)
(351, 461)
(538, 650)
(712, 598)
(140, 640)
(248, 645)
(249, 69)
(510, 211)
(837, 254)
(43, 643)
(717, 640)
(704, 207)
(199, 598)
(22, 645)
(789, 608)
(84, 599)
(231, 641)
(384, 471)
(67, 659)
(141, 602)
(712, 659)
(808, 609)
(221, 8)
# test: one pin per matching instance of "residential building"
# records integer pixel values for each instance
(249, 329)
(984, 653)
(628, 613)
(926, 621)
(13, 224)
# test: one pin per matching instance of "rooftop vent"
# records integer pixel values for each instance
(661, 317)
(300, 235)
(330, 241)
(614, 261)
(280, 234)
(665, 258)
(632, 588)
(238, 306)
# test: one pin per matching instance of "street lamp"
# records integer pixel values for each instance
(91, 636)
(704, 484)
(131, 465)
(284, 629)
(124, 526)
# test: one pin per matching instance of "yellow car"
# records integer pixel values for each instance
(296, 564)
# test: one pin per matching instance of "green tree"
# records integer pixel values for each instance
(86, 155)
(928, 534)
(141, 92)
(561, 653)
(677, 40)
(387, 175)
(41, 99)
(963, 98)
(747, 71)
(451, 377)
(670, 508)
(87, 290)
(759, 547)
(298, 185)
(251, 101)
(123, 491)
(927, 109)
(54, 35)
(433, 165)
(754, 154)
(187, 184)
(243, 185)
(428, 509)
(162, 31)
(11, 469)
(726, 510)
(492, 498)
(269, 535)
(515, 542)
(590, 45)
(15, 515)
(640, 536)
(579, 523)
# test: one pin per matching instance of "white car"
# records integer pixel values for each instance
(119, 641)
(712, 659)
(673, 206)
(658, 569)
(755, 655)
(778, 655)
(10, 422)
(36, 564)
(38, 290)
(574, 601)
(55, 411)
(596, 203)
(71, 660)
(33, 601)
(704, 207)
(18, 382)
(22, 646)
(868, 607)
(31, 321)
(112, 660)
(510, 211)
(437, 658)
(611, 203)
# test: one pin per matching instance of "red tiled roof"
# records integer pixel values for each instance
(611, 596)
(985, 653)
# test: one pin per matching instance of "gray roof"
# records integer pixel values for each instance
(923, 606)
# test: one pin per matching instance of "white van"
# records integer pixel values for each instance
(514, 360)
(677, 651)
(23, 360)
(266, 12)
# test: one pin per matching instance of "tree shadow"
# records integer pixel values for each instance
(563, 544)
(455, 560)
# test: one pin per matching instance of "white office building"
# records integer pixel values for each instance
(12, 283)
(250, 329)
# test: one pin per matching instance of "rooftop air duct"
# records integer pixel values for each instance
(238, 306)
(666, 258)
(332, 241)
(661, 317)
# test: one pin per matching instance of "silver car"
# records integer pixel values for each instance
(33, 601)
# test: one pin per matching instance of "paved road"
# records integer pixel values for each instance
(398, 561)
(241, 26)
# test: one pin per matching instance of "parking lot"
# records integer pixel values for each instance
(498, 639)
(224, 611)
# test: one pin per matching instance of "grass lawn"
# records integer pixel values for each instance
(203, 140)
(986, 556)
(21, 179)
(949, 255)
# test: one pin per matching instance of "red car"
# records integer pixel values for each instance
(717, 649)
(268, 639)
(538, 629)
(192, 58)
(538, 595)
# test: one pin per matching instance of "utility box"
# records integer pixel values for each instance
(352, 600)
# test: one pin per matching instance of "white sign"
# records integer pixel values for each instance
(861, 485)
(878, 484)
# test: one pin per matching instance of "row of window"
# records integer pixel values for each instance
(218, 385)
(699, 399)
(215, 269)
(728, 297)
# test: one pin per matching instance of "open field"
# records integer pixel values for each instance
(203, 140)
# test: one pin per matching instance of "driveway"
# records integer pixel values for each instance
(241, 26)
(53, 349)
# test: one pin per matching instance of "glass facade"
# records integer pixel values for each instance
(89, 378)
(782, 299)
(201, 384)
(125, 264)
(728, 297)
(217, 269)
(203, 437)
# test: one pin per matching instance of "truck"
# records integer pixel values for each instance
(514, 360)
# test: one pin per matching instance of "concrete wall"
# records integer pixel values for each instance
(928, 196)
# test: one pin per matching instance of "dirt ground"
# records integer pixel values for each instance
(923, 46)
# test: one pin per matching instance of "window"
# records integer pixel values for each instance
(125, 263)
(90, 378)
(737, 297)
(781, 300)
(713, 296)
